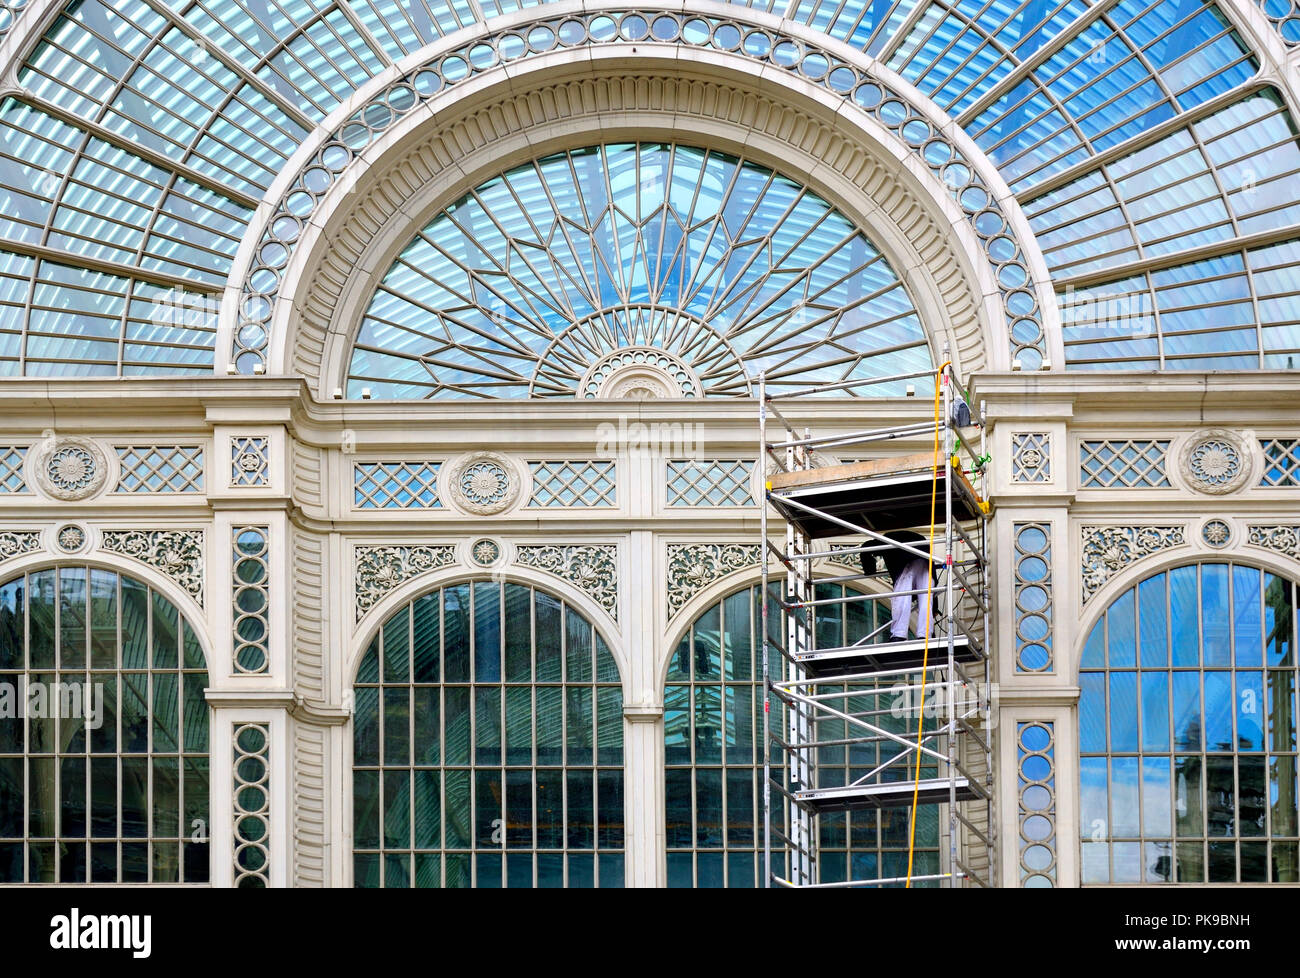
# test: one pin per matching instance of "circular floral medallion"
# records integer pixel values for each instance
(71, 538)
(484, 483)
(72, 468)
(485, 552)
(1216, 462)
(1216, 533)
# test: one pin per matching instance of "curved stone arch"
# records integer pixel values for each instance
(1184, 556)
(185, 605)
(943, 287)
(254, 304)
(367, 627)
(724, 587)
(342, 281)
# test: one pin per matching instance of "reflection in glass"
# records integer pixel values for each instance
(1198, 746)
(488, 781)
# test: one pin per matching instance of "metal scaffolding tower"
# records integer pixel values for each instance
(864, 722)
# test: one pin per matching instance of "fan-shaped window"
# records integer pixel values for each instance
(713, 723)
(1187, 731)
(528, 284)
(103, 733)
(488, 745)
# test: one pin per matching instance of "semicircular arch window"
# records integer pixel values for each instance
(1187, 731)
(527, 283)
(103, 733)
(488, 745)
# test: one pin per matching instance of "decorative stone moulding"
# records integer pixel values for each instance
(694, 566)
(1107, 550)
(69, 468)
(14, 543)
(593, 569)
(1218, 461)
(177, 553)
(485, 552)
(258, 283)
(484, 483)
(71, 538)
(640, 373)
(380, 569)
(1284, 540)
(1216, 533)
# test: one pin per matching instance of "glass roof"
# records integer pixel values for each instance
(522, 285)
(1150, 153)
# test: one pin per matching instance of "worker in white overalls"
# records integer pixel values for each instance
(908, 572)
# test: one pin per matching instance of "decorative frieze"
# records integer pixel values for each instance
(694, 566)
(593, 569)
(1107, 550)
(380, 569)
(177, 553)
(1280, 539)
(14, 543)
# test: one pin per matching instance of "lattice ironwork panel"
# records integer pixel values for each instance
(395, 485)
(11, 468)
(717, 482)
(573, 483)
(250, 461)
(160, 468)
(1281, 462)
(1123, 464)
(1031, 457)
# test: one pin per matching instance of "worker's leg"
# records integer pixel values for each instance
(921, 573)
(900, 605)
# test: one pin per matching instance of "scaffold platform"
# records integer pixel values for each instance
(836, 664)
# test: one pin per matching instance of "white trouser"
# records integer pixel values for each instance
(913, 578)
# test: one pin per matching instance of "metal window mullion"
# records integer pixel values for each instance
(228, 61)
(1035, 61)
(1147, 137)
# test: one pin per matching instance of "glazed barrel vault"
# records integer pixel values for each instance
(380, 473)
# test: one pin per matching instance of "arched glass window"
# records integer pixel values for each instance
(488, 745)
(1187, 731)
(713, 752)
(713, 267)
(103, 733)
